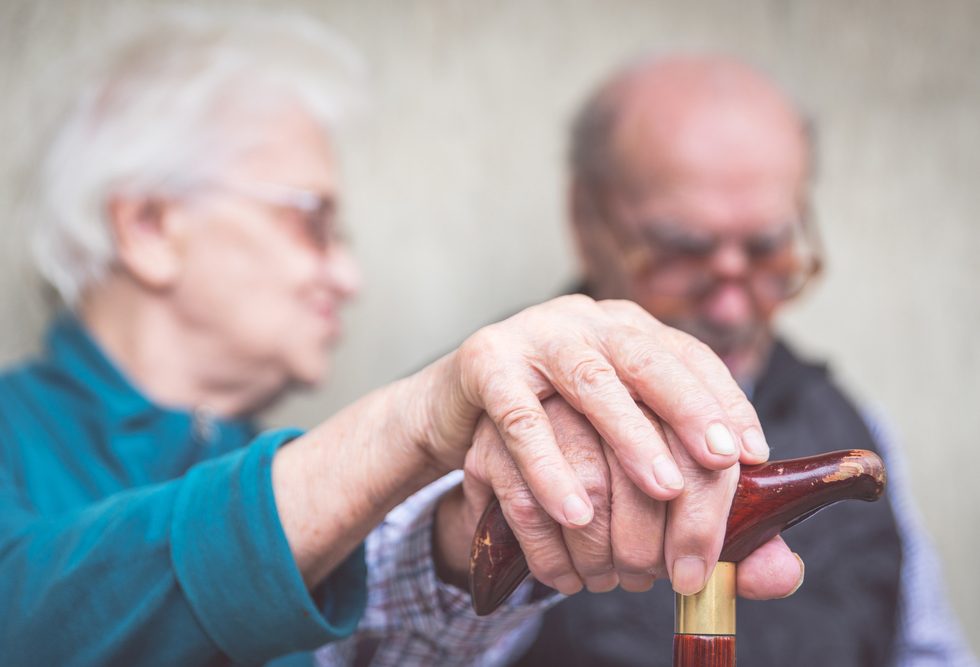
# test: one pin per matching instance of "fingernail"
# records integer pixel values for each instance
(688, 575)
(756, 442)
(666, 472)
(568, 584)
(602, 583)
(577, 512)
(802, 575)
(636, 583)
(720, 440)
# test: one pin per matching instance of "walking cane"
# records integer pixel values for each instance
(770, 498)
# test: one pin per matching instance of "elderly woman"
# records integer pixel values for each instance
(189, 223)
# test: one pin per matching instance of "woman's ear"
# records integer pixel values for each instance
(147, 239)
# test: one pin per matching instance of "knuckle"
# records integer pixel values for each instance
(481, 346)
(517, 423)
(473, 464)
(591, 555)
(487, 460)
(567, 305)
(703, 533)
(525, 512)
(627, 308)
(474, 349)
(547, 564)
(642, 359)
(474, 346)
(591, 375)
(638, 560)
(575, 301)
(597, 486)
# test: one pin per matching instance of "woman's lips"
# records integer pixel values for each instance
(327, 313)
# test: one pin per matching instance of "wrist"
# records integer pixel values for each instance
(444, 419)
(336, 482)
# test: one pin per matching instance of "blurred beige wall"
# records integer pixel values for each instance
(456, 207)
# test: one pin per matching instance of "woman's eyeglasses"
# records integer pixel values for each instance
(314, 213)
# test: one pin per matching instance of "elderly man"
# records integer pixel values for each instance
(189, 223)
(689, 195)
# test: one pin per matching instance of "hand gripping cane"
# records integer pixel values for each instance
(770, 498)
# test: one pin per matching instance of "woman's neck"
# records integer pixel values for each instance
(172, 363)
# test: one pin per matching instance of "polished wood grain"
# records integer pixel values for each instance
(704, 651)
(774, 496)
(497, 564)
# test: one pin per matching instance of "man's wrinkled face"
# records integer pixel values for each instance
(708, 233)
(266, 273)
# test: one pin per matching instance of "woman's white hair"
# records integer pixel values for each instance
(147, 121)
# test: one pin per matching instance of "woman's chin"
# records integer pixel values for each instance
(312, 373)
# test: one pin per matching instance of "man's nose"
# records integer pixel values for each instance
(729, 262)
(730, 303)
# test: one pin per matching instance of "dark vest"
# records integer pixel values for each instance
(844, 614)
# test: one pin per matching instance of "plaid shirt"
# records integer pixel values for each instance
(414, 619)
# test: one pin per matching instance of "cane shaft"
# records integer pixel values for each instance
(704, 650)
(704, 623)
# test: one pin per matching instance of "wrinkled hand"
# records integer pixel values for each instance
(633, 539)
(602, 358)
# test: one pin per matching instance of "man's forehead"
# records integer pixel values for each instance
(712, 208)
(680, 122)
(716, 182)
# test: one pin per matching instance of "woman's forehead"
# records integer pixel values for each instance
(284, 145)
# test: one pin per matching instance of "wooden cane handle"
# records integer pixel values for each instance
(770, 498)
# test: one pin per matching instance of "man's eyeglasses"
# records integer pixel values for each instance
(313, 213)
(676, 261)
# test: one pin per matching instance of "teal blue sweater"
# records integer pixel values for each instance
(132, 534)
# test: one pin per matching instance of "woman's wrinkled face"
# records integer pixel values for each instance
(264, 272)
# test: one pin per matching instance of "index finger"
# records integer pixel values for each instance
(696, 520)
(526, 430)
(688, 386)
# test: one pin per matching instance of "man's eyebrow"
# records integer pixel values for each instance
(666, 228)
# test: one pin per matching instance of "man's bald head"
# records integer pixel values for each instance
(688, 196)
(680, 105)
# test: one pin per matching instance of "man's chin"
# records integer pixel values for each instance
(741, 366)
(747, 362)
(743, 352)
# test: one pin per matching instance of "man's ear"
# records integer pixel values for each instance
(580, 203)
(147, 240)
(582, 216)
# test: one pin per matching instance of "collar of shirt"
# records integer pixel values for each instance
(72, 354)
